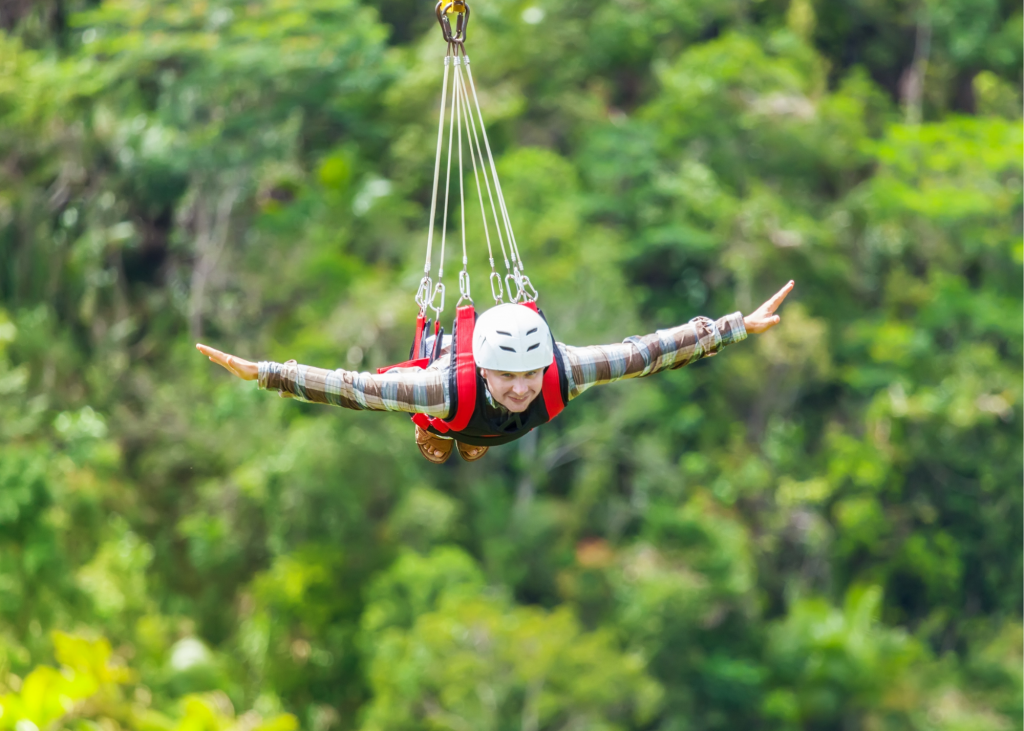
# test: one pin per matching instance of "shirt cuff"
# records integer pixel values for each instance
(267, 370)
(732, 328)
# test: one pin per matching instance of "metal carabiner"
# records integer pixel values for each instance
(525, 282)
(498, 296)
(423, 292)
(460, 8)
(438, 289)
(518, 277)
(513, 291)
(463, 288)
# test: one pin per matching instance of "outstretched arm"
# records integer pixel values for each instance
(401, 389)
(637, 357)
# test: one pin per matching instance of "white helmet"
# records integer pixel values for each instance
(512, 338)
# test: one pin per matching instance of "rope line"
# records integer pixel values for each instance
(467, 113)
(447, 187)
(475, 153)
(437, 164)
(457, 123)
(514, 248)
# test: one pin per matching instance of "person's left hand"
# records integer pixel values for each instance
(764, 317)
(244, 369)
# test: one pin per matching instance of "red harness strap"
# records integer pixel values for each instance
(552, 390)
(465, 376)
(414, 362)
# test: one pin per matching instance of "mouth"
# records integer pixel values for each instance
(518, 401)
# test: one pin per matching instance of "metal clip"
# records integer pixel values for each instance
(423, 292)
(463, 288)
(438, 290)
(498, 296)
(525, 282)
(461, 9)
(512, 287)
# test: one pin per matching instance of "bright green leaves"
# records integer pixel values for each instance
(828, 657)
(463, 658)
(746, 106)
(424, 517)
(115, 578)
(949, 172)
(92, 688)
(48, 695)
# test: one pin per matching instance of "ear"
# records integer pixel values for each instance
(484, 373)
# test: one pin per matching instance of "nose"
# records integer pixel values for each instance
(520, 388)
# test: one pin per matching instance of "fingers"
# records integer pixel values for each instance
(776, 299)
(779, 296)
(233, 364)
(213, 354)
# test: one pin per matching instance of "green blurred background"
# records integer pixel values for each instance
(819, 529)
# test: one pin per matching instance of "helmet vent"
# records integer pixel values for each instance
(510, 338)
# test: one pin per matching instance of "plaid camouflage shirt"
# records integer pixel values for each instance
(425, 391)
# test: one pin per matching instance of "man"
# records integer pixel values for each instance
(512, 349)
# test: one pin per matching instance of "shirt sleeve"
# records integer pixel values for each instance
(636, 356)
(413, 390)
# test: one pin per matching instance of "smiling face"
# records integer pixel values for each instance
(514, 391)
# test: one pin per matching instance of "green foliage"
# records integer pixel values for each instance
(821, 528)
(89, 690)
(476, 662)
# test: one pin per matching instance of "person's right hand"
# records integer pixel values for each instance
(764, 317)
(240, 367)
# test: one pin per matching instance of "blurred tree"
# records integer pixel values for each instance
(820, 530)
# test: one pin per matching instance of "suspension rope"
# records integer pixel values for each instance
(476, 152)
(466, 112)
(457, 123)
(447, 185)
(437, 164)
(524, 289)
(494, 171)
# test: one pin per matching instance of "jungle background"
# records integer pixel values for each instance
(820, 528)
